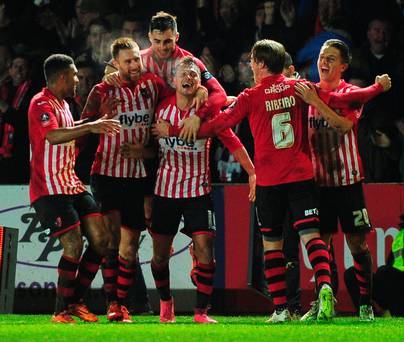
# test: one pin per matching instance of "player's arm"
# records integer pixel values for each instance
(64, 134)
(357, 97)
(226, 119)
(307, 92)
(237, 149)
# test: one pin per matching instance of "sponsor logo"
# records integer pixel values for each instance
(276, 88)
(311, 212)
(134, 119)
(175, 142)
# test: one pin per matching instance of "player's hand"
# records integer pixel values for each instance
(252, 183)
(384, 80)
(134, 151)
(307, 92)
(113, 79)
(104, 126)
(190, 128)
(230, 100)
(108, 106)
(201, 96)
(161, 129)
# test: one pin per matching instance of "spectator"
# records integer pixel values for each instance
(133, 27)
(16, 94)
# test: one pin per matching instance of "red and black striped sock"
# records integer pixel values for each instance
(275, 270)
(109, 270)
(67, 270)
(319, 258)
(161, 275)
(363, 273)
(88, 268)
(204, 283)
(126, 277)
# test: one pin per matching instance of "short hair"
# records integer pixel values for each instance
(188, 62)
(288, 60)
(163, 21)
(101, 22)
(55, 65)
(271, 53)
(342, 47)
(122, 43)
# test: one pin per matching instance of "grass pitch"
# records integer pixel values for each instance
(32, 328)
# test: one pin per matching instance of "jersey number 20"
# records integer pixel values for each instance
(282, 131)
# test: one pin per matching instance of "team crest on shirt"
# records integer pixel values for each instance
(58, 222)
(45, 119)
(144, 92)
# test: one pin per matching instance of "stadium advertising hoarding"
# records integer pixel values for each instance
(38, 255)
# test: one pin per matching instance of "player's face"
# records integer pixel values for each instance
(129, 64)
(187, 80)
(163, 43)
(71, 81)
(330, 65)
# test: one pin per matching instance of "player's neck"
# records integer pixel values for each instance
(56, 91)
(329, 85)
(183, 102)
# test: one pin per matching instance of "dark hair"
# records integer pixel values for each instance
(288, 60)
(163, 21)
(271, 53)
(341, 47)
(122, 44)
(56, 64)
(101, 22)
(188, 62)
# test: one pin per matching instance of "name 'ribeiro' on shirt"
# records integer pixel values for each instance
(282, 103)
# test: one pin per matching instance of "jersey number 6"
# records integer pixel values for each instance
(282, 131)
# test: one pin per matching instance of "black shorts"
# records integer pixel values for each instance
(198, 214)
(125, 195)
(345, 204)
(273, 203)
(61, 213)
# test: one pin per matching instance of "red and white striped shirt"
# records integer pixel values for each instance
(135, 113)
(165, 69)
(52, 166)
(335, 157)
(184, 167)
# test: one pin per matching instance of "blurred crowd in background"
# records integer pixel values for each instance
(219, 32)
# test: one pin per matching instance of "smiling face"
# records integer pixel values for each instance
(163, 43)
(187, 79)
(330, 65)
(129, 64)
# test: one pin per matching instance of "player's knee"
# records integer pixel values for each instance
(73, 248)
(129, 253)
(100, 245)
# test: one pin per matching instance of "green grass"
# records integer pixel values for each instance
(32, 328)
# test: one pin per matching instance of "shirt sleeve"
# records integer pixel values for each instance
(355, 98)
(230, 140)
(43, 117)
(217, 95)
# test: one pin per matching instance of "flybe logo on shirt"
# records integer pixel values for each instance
(134, 119)
(318, 123)
(179, 144)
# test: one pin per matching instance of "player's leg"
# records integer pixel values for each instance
(271, 208)
(304, 212)
(94, 230)
(62, 221)
(199, 223)
(132, 224)
(165, 221)
(355, 224)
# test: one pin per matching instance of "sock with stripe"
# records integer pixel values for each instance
(319, 258)
(109, 270)
(275, 270)
(363, 274)
(88, 268)
(161, 275)
(204, 283)
(67, 271)
(126, 277)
